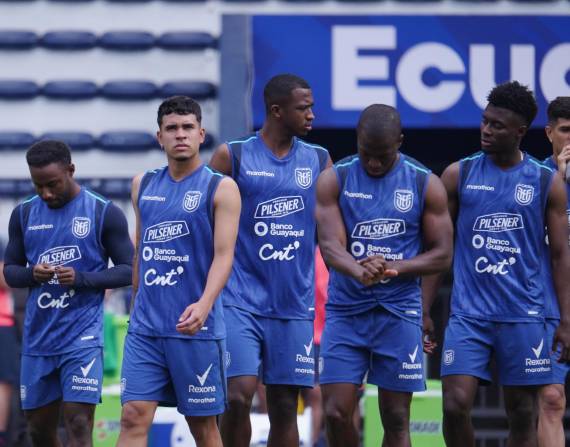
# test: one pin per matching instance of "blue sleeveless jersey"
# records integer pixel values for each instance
(175, 252)
(499, 232)
(61, 318)
(382, 216)
(551, 309)
(273, 274)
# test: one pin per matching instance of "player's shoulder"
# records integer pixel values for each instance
(96, 196)
(346, 162)
(305, 145)
(540, 164)
(415, 165)
(241, 141)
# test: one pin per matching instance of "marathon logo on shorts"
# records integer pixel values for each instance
(80, 227)
(279, 207)
(191, 200)
(498, 222)
(524, 194)
(403, 200)
(202, 389)
(60, 255)
(537, 364)
(165, 231)
(379, 229)
(412, 370)
(303, 177)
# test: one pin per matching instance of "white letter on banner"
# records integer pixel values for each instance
(481, 72)
(348, 67)
(522, 64)
(415, 62)
(555, 66)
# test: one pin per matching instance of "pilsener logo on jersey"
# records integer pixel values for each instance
(498, 222)
(279, 207)
(60, 255)
(165, 231)
(379, 229)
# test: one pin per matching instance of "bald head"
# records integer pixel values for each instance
(379, 122)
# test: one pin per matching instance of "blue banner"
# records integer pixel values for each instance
(437, 70)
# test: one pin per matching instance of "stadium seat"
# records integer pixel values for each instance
(18, 89)
(129, 90)
(76, 140)
(186, 40)
(115, 188)
(17, 40)
(13, 140)
(208, 142)
(195, 89)
(69, 40)
(123, 141)
(70, 89)
(127, 40)
(16, 188)
(129, 1)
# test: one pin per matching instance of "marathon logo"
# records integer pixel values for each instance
(165, 232)
(60, 255)
(279, 207)
(498, 222)
(379, 229)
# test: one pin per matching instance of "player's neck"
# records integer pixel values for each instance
(179, 169)
(508, 159)
(276, 140)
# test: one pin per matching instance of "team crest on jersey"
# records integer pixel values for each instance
(191, 200)
(524, 194)
(403, 200)
(80, 226)
(303, 177)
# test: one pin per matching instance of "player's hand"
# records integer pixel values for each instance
(376, 269)
(43, 272)
(563, 159)
(65, 275)
(429, 334)
(562, 340)
(193, 318)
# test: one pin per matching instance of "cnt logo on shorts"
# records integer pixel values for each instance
(80, 227)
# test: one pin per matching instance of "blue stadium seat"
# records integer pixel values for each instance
(127, 141)
(69, 40)
(129, 90)
(195, 89)
(129, 1)
(76, 140)
(208, 142)
(13, 140)
(17, 40)
(115, 188)
(16, 188)
(186, 40)
(18, 89)
(127, 40)
(70, 89)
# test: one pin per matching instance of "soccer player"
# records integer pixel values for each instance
(552, 398)
(187, 219)
(60, 242)
(380, 213)
(502, 199)
(269, 299)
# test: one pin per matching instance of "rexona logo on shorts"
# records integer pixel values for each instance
(379, 229)
(165, 231)
(279, 207)
(60, 255)
(498, 222)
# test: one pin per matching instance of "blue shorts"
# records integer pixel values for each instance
(376, 342)
(75, 376)
(283, 348)
(183, 373)
(559, 370)
(521, 351)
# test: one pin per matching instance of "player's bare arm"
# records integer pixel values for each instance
(221, 160)
(227, 208)
(332, 234)
(557, 225)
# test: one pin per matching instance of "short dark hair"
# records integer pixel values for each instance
(46, 152)
(180, 105)
(559, 108)
(278, 89)
(515, 97)
(380, 120)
